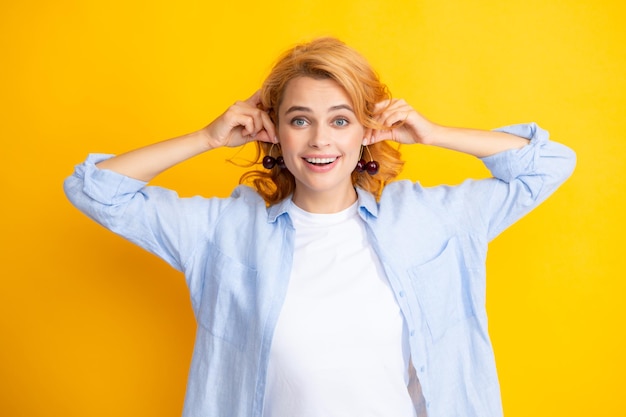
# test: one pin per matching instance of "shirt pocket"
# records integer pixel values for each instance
(228, 304)
(442, 286)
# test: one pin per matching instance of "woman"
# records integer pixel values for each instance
(322, 288)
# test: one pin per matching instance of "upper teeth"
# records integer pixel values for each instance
(320, 160)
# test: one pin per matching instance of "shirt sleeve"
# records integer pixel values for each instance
(155, 218)
(524, 177)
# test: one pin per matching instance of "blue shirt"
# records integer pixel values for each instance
(236, 255)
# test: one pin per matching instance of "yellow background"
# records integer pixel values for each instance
(93, 326)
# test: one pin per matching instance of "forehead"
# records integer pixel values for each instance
(313, 92)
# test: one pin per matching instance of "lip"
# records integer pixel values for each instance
(320, 168)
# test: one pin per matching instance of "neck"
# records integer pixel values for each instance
(325, 203)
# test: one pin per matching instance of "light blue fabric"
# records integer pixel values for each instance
(236, 255)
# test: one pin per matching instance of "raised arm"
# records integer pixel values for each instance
(410, 127)
(526, 166)
(113, 192)
(240, 123)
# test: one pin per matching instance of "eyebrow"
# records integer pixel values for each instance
(308, 110)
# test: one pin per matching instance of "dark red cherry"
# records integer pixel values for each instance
(269, 162)
(372, 167)
(280, 161)
(360, 166)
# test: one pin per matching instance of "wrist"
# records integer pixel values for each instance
(433, 135)
(204, 140)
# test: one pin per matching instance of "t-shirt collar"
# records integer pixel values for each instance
(366, 201)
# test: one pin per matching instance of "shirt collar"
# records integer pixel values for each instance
(367, 206)
(277, 210)
(367, 203)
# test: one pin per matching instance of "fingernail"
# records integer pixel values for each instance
(364, 141)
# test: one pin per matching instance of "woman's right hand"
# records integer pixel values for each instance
(241, 123)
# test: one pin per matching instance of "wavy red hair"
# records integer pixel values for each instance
(326, 58)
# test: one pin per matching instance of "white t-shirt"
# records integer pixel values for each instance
(340, 346)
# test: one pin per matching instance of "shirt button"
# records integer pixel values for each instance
(422, 368)
(401, 293)
(412, 333)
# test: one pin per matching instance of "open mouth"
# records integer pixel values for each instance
(320, 161)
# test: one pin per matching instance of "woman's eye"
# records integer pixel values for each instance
(341, 122)
(298, 122)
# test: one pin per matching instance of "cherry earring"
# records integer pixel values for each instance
(269, 161)
(370, 167)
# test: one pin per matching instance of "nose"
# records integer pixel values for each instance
(320, 137)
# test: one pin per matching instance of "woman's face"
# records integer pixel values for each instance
(320, 138)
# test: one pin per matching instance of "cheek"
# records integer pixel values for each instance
(288, 149)
(357, 146)
(356, 156)
(287, 145)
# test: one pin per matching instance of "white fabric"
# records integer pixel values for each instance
(340, 347)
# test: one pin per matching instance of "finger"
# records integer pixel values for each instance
(384, 109)
(242, 122)
(268, 127)
(382, 105)
(267, 133)
(381, 135)
(243, 106)
(373, 135)
(396, 113)
(396, 117)
(255, 99)
(367, 136)
(263, 124)
(389, 106)
(257, 121)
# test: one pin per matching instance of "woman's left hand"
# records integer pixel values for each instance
(401, 123)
